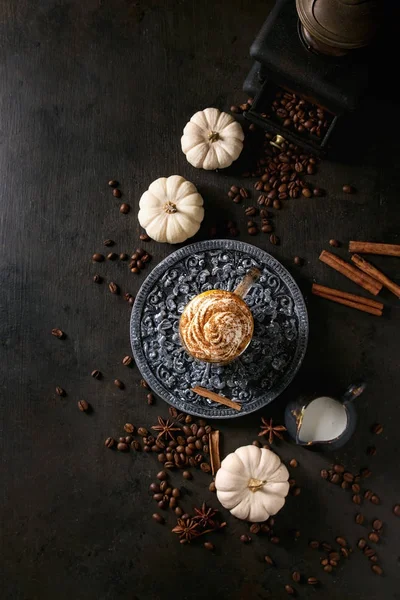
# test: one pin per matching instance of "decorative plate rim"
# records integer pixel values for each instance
(177, 256)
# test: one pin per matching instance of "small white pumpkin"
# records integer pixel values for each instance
(171, 210)
(212, 139)
(252, 483)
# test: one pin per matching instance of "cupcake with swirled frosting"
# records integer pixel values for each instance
(216, 326)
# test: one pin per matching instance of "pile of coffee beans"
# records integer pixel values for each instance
(296, 113)
(165, 495)
(139, 259)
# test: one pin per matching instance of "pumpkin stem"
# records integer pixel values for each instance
(170, 208)
(213, 136)
(255, 484)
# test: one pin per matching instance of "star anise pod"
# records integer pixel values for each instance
(204, 516)
(270, 430)
(187, 529)
(165, 428)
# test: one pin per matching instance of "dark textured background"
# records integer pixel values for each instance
(102, 88)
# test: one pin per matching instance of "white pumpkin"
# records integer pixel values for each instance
(252, 483)
(212, 139)
(171, 210)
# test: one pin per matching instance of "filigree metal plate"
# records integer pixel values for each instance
(269, 363)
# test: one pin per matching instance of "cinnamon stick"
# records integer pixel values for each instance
(356, 305)
(216, 397)
(378, 275)
(346, 269)
(213, 443)
(353, 297)
(372, 248)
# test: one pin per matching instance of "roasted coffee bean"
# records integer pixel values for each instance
(142, 431)
(335, 478)
(119, 384)
(334, 556)
(338, 468)
(374, 558)
(158, 497)
(109, 443)
(264, 213)
(274, 239)
(206, 449)
(368, 494)
(345, 485)
(348, 189)
(173, 503)
(97, 257)
(205, 467)
(396, 510)
(245, 538)
(144, 237)
(293, 463)
(169, 464)
(251, 211)
(112, 256)
(314, 544)
(361, 543)
(60, 391)
(298, 261)
(349, 477)
(258, 185)
(113, 183)
(375, 499)
(150, 399)
(114, 289)
(359, 519)
(255, 528)
(127, 360)
(333, 563)
(306, 192)
(373, 537)
(377, 569)
(312, 581)
(296, 576)
(83, 406)
(318, 192)
(334, 243)
(97, 279)
(377, 428)
(117, 193)
(274, 539)
(252, 230)
(140, 264)
(356, 488)
(129, 428)
(277, 204)
(109, 243)
(144, 384)
(209, 546)
(237, 199)
(356, 499)
(324, 474)
(135, 270)
(292, 482)
(136, 446)
(341, 541)
(212, 487)
(122, 447)
(371, 450)
(158, 518)
(289, 590)
(296, 491)
(328, 568)
(345, 552)
(269, 560)
(256, 443)
(243, 192)
(123, 256)
(155, 488)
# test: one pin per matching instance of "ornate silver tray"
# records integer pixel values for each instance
(267, 366)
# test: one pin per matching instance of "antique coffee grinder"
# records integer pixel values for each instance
(320, 50)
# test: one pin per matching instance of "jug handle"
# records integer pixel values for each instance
(353, 391)
(248, 280)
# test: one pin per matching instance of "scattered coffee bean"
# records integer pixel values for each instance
(83, 405)
(269, 560)
(334, 243)
(277, 204)
(144, 237)
(328, 568)
(97, 257)
(251, 211)
(212, 487)
(377, 524)
(293, 463)
(335, 478)
(377, 569)
(318, 192)
(359, 519)
(368, 494)
(348, 189)
(274, 539)
(375, 499)
(243, 192)
(158, 518)
(361, 543)
(255, 528)
(324, 474)
(112, 256)
(296, 491)
(365, 473)
(60, 391)
(289, 590)
(108, 243)
(314, 544)
(345, 485)
(114, 289)
(144, 384)
(368, 551)
(124, 208)
(252, 230)
(96, 374)
(312, 581)
(371, 450)
(373, 537)
(109, 443)
(245, 539)
(135, 445)
(119, 384)
(338, 468)
(142, 431)
(396, 510)
(341, 541)
(356, 488)
(266, 228)
(113, 183)
(274, 239)
(256, 443)
(377, 428)
(296, 576)
(209, 546)
(349, 477)
(205, 467)
(356, 499)
(155, 488)
(122, 447)
(150, 399)
(117, 193)
(306, 192)
(129, 428)
(97, 279)
(298, 261)
(127, 360)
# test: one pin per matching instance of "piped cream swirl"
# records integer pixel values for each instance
(216, 326)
